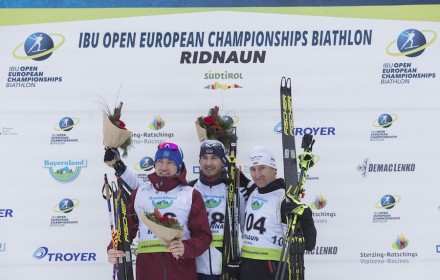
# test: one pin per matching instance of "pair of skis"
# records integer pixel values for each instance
(231, 249)
(119, 226)
(292, 253)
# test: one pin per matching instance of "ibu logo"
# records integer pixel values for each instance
(385, 120)
(38, 46)
(66, 205)
(66, 124)
(145, 164)
(388, 201)
(411, 42)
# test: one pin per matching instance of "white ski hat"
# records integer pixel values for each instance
(260, 155)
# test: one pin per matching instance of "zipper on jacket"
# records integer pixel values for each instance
(210, 262)
(164, 265)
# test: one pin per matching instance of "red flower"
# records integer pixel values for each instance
(164, 219)
(120, 124)
(209, 120)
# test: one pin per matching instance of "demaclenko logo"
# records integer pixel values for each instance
(43, 253)
(65, 171)
(366, 167)
(323, 250)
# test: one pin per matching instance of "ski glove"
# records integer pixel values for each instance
(292, 207)
(246, 186)
(225, 178)
(113, 159)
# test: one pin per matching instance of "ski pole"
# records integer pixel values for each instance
(107, 194)
(307, 160)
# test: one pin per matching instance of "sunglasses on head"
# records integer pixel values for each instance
(167, 145)
(212, 144)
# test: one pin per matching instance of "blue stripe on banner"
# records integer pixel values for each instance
(201, 3)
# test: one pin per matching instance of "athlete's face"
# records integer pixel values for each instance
(165, 167)
(211, 166)
(262, 175)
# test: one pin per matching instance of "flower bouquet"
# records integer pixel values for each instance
(165, 228)
(115, 133)
(215, 127)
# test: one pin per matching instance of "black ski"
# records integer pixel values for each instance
(231, 250)
(125, 269)
(293, 250)
(288, 137)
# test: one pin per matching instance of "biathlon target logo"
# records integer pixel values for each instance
(411, 43)
(66, 205)
(385, 120)
(66, 124)
(39, 46)
(388, 201)
(145, 164)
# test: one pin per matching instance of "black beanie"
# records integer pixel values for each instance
(213, 147)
